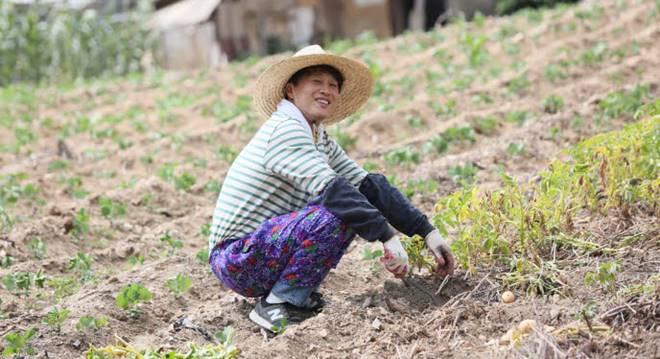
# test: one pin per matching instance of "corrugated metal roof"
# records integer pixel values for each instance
(183, 13)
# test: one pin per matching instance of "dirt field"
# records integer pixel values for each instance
(158, 146)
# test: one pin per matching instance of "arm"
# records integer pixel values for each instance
(291, 154)
(395, 206)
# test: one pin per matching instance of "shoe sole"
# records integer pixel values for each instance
(260, 321)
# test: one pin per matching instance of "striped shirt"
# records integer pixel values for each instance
(279, 171)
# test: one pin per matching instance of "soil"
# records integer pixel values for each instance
(174, 118)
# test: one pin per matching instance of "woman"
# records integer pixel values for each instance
(292, 201)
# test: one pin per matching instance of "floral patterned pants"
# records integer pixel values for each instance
(295, 250)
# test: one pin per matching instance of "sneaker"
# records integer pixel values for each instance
(315, 302)
(275, 317)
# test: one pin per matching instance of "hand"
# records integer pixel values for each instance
(442, 253)
(395, 258)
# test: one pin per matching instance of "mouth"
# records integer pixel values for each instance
(323, 103)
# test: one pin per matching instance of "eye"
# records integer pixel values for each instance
(316, 81)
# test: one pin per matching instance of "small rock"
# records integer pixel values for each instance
(323, 333)
(76, 343)
(376, 324)
(527, 326)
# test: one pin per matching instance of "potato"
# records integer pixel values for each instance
(526, 326)
(508, 297)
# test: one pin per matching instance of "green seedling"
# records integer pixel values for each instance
(58, 165)
(279, 329)
(437, 144)
(80, 224)
(213, 186)
(406, 156)
(17, 344)
(20, 283)
(205, 230)
(225, 336)
(6, 261)
(88, 322)
(605, 275)
(419, 186)
(130, 296)
(135, 259)
(62, 287)
(619, 103)
(371, 256)
(417, 253)
(55, 318)
(179, 285)
(111, 209)
(37, 247)
(202, 256)
(485, 125)
(344, 140)
(463, 175)
(82, 264)
(184, 181)
(518, 84)
(517, 117)
(553, 104)
(587, 313)
(174, 244)
(515, 149)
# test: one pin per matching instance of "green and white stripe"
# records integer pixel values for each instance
(279, 171)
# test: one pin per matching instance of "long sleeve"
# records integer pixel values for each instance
(291, 154)
(342, 164)
(394, 206)
(343, 200)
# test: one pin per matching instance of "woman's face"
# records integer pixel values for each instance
(315, 95)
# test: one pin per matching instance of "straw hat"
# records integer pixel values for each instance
(355, 91)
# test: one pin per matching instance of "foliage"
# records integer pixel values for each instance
(63, 287)
(202, 256)
(174, 244)
(37, 247)
(405, 156)
(553, 103)
(50, 43)
(82, 264)
(179, 284)
(55, 318)
(80, 223)
(418, 255)
(371, 256)
(110, 208)
(17, 343)
(123, 350)
(605, 274)
(20, 283)
(87, 322)
(519, 225)
(130, 296)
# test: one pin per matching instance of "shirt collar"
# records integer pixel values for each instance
(288, 108)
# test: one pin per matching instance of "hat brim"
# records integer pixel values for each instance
(356, 89)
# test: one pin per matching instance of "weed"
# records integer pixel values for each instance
(213, 186)
(37, 247)
(202, 256)
(130, 296)
(63, 287)
(111, 209)
(88, 322)
(485, 125)
(17, 343)
(371, 256)
(518, 84)
(447, 109)
(55, 318)
(622, 102)
(515, 149)
(463, 175)
(179, 285)
(174, 244)
(517, 117)
(20, 283)
(594, 55)
(605, 275)
(80, 223)
(184, 181)
(6, 261)
(205, 230)
(417, 254)
(135, 259)
(226, 154)
(555, 73)
(406, 156)
(437, 144)
(82, 264)
(553, 103)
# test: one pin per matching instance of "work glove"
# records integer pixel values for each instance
(395, 258)
(442, 253)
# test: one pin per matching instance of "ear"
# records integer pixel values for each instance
(289, 91)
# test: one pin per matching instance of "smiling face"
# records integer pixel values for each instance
(315, 93)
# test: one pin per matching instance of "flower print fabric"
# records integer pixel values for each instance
(297, 249)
